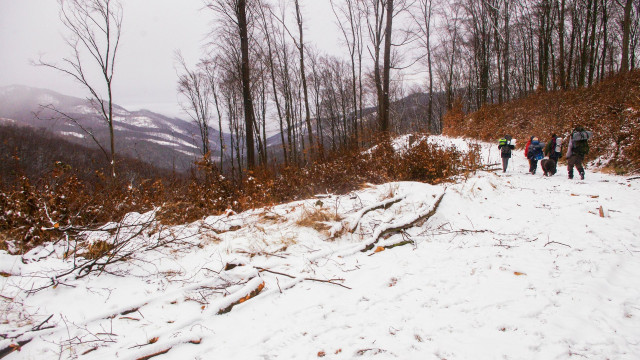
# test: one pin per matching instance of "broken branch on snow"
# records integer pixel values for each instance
(331, 281)
(394, 228)
(385, 204)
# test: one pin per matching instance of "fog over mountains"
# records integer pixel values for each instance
(166, 142)
(163, 141)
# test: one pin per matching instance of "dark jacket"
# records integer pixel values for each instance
(526, 148)
(550, 149)
(535, 150)
(505, 150)
(580, 147)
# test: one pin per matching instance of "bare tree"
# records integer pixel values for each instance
(211, 70)
(94, 28)
(544, 16)
(267, 27)
(194, 86)
(423, 20)
(236, 12)
(375, 15)
(626, 29)
(561, 66)
(300, 46)
(350, 13)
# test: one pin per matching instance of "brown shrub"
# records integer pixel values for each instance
(317, 219)
(96, 250)
(60, 203)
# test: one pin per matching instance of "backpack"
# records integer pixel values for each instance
(535, 151)
(505, 145)
(581, 135)
(581, 142)
(558, 148)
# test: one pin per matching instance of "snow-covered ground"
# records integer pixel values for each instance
(505, 266)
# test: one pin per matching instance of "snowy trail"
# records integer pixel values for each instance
(511, 266)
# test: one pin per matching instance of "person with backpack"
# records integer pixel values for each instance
(526, 151)
(576, 151)
(526, 147)
(534, 153)
(553, 149)
(505, 145)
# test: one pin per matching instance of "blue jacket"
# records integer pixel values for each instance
(535, 151)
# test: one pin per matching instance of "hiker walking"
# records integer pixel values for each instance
(506, 145)
(577, 149)
(534, 153)
(553, 149)
(526, 151)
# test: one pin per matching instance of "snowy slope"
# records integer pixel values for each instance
(510, 266)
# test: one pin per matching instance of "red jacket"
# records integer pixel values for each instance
(526, 148)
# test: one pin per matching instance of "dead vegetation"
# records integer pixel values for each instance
(61, 204)
(96, 250)
(318, 219)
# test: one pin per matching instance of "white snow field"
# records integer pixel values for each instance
(507, 266)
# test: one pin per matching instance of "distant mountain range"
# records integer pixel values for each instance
(166, 142)
(169, 143)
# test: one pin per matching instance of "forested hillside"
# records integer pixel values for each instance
(611, 109)
(34, 154)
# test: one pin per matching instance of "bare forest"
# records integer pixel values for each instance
(260, 72)
(299, 121)
(341, 204)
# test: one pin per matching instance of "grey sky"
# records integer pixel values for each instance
(152, 31)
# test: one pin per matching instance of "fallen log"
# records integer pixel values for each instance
(13, 347)
(395, 228)
(253, 293)
(385, 204)
(387, 247)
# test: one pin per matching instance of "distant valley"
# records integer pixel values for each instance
(169, 143)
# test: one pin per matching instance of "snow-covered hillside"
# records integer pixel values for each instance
(496, 266)
(160, 140)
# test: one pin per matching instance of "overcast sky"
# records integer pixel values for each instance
(153, 30)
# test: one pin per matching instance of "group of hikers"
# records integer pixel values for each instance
(536, 151)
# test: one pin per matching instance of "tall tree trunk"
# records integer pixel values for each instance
(111, 137)
(563, 82)
(605, 38)
(451, 63)
(626, 30)
(221, 139)
(507, 55)
(593, 43)
(574, 29)
(304, 80)
(585, 43)
(427, 19)
(495, 18)
(241, 11)
(386, 70)
(232, 138)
